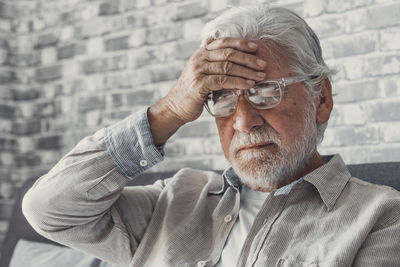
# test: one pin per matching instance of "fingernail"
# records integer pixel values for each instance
(252, 45)
(250, 82)
(261, 74)
(261, 63)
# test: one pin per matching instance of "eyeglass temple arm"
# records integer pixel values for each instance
(289, 80)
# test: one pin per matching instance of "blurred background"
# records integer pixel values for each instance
(71, 67)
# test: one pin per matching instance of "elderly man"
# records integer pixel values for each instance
(260, 73)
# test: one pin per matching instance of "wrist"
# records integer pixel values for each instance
(163, 122)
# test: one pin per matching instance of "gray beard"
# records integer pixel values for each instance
(275, 165)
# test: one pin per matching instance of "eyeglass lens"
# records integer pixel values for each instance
(262, 96)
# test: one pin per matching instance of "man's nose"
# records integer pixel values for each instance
(246, 116)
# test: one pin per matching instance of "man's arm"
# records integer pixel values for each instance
(81, 202)
(381, 248)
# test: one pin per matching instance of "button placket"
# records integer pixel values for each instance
(228, 218)
(201, 263)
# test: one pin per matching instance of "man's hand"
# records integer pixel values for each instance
(226, 63)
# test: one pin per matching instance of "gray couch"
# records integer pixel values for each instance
(378, 173)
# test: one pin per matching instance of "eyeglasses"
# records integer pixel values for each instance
(264, 95)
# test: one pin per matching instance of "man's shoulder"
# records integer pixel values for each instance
(371, 189)
(381, 200)
(194, 178)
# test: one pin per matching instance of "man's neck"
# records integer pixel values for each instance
(314, 162)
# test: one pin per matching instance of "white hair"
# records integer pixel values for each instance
(284, 29)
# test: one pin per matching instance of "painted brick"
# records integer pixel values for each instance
(23, 60)
(87, 103)
(137, 37)
(49, 142)
(355, 44)
(142, 57)
(382, 16)
(314, 7)
(8, 144)
(66, 33)
(362, 3)
(116, 100)
(383, 111)
(7, 76)
(186, 49)
(95, 46)
(142, 3)
(109, 8)
(142, 97)
(217, 5)
(197, 129)
(93, 118)
(162, 15)
(355, 21)
(137, 19)
(47, 39)
(118, 62)
(66, 51)
(356, 91)
(26, 127)
(47, 74)
(336, 6)
(117, 43)
(48, 55)
(6, 209)
(26, 144)
(390, 39)
(352, 114)
(192, 29)
(5, 25)
(351, 136)
(165, 73)
(7, 10)
(390, 132)
(5, 125)
(3, 56)
(191, 10)
(27, 159)
(164, 34)
(6, 94)
(7, 111)
(390, 86)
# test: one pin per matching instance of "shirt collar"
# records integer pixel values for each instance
(329, 179)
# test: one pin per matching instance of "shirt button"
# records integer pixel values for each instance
(228, 218)
(201, 263)
(143, 163)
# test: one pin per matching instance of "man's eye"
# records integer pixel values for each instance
(222, 95)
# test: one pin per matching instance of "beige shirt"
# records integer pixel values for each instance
(328, 219)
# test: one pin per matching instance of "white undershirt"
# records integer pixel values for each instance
(250, 204)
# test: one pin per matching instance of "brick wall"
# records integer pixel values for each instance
(71, 67)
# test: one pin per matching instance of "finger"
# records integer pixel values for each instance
(218, 82)
(231, 69)
(233, 42)
(238, 57)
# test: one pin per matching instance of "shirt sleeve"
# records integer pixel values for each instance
(130, 144)
(82, 203)
(381, 248)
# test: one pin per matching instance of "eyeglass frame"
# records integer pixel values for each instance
(282, 83)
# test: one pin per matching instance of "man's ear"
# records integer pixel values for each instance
(325, 105)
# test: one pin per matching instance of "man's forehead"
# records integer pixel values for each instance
(273, 55)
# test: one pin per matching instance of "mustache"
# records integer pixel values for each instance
(260, 135)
